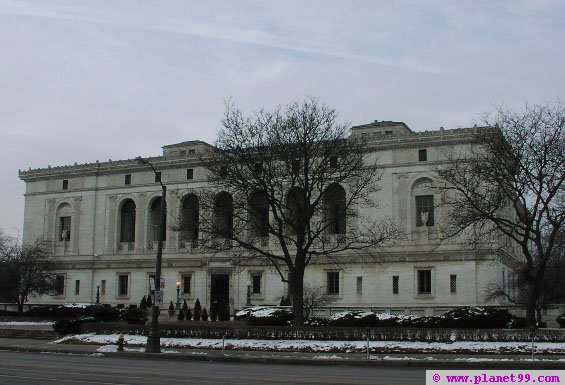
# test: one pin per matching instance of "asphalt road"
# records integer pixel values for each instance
(34, 368)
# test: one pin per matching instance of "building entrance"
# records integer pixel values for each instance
(219, 290)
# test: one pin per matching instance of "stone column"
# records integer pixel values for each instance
(111, 228)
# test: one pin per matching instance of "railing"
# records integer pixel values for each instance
(188, 244)
(152, 245)
(126, 246)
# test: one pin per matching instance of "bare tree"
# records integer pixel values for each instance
(314, 296)
(26, 270)
(287, 188)
(510, 185)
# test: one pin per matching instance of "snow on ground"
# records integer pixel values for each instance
(327, 346)
(25, 323)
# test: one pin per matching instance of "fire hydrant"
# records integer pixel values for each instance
(121, 342)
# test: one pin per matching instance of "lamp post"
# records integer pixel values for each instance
(178, 296)
(248, 294)
(153, 340)
(97, 294)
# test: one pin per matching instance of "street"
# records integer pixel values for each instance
(33, 368)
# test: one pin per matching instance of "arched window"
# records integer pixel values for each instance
(335, 210)
(424, 206)
(190, 218)
(223, 211)
(127, 221)
(296, 206)
(259, 215)
(64, 215)
(155, 218)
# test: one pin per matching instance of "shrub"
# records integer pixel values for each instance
(188, 314)
(204, 315)
(265, 316)
(214, 313)
(561, 320)
(475, 318)
(135, 316)
(143, 303)
(105, 314)
(197, 310)
(57, 312)
(313, 321)
(180, 316)
(224, 313)
(73, 326)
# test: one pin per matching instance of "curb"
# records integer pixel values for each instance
(422, 363)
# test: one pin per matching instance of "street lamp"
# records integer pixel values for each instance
(248, 294)
(97, 293)
(153, 340)
(178, 296)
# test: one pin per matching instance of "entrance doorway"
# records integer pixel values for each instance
(219, 290)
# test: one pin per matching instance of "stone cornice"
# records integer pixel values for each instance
(375, 143)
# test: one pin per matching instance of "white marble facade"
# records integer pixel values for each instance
(81, 209)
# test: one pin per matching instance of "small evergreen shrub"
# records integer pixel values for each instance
(143, 303)
(561, 320)
(224, 313)
(188, 314)
(204, 315)
(197, 310)
(214, 313)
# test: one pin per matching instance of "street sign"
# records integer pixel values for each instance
(162, 284)
(159, 297)
(152, 283)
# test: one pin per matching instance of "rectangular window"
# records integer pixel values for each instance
(127, 179)
(189, 173)
(333, 282)
(152, 284)
(158, 176)
(123, 284)
(424, 282)
(258, 168)
(424, 210)
(65, 229)
(77, 287)
(333, 162)
(359, 285)
(65, 184)
(186, 282)
(223, 171)
(192, 151)
(388, 132)
(453, 283)
(423, 155)
(103, 287)
(395, 284)
(296, 166)
(256, 283)
(60, 285)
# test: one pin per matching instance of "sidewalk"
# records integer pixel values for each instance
(346, 359)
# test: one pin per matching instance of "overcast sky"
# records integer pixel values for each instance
(82, 81)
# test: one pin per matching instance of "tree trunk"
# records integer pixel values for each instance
(531, 305)
(20, 306)
(297, 289)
